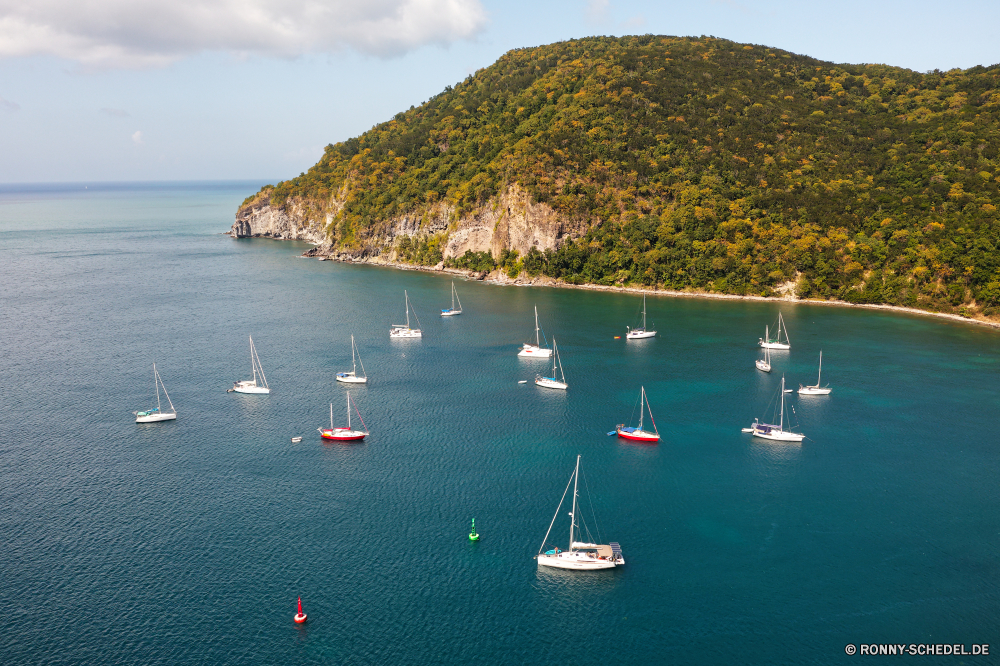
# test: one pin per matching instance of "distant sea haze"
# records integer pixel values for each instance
(188, 542)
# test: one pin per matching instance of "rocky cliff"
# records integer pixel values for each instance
(507, 222)
(257, 218)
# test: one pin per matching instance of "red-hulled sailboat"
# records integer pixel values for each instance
(638, 434)
(347, 434)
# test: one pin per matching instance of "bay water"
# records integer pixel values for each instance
(188, 542)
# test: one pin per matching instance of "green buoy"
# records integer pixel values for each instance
(472, 535)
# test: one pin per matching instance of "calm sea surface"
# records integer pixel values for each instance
(187, 542)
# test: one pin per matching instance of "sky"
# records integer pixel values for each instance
(150, 90)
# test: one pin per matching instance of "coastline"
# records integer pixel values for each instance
(499, 278)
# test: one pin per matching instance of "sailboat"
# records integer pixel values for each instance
(639, 333)
(580, 555)
(535, 350)
(775, 432)
(398, 331)
(344, 434)
(767, 343)
(764, 364)
(552, 382)
(451, 312)
(154, 415)
(817, 389)
(638, 434)
(352, 376)
(250, 385)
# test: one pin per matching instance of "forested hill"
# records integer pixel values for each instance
(699, 163)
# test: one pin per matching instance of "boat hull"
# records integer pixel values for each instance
(450, 313)
(778, 435)
(814, 390)
(577, 562)
(548, 382)
(342, 434)
(774, 345)
(405, 333)
(350, 378)
(531, 351)
(638, 435)
(640, 334)
(763, 367)
(155, 418)
(250, 387)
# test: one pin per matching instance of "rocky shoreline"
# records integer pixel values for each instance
(497, 276)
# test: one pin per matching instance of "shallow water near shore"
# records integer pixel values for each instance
(187, 542)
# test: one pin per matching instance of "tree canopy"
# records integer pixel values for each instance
(700, 163)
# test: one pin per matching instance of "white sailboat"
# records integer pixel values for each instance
(776, 432)
(581, 556)
(552, 382)
(451, 312)
(817, 389)
(764, 364)
(155, 415)
(639, 333)
(352, 376)
(250, 385)
(399, 331)
(767, 343)
(535, 350)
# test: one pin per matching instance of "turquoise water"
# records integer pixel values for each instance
(187, 542)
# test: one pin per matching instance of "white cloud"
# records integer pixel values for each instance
(145, 33)
(597, 11)
(8, 105)
(137, 137)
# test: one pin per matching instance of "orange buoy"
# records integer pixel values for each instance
(618, 337)
(300, 617)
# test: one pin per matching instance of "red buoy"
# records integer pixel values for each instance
(300, 617)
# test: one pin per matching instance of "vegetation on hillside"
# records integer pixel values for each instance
(701, 163)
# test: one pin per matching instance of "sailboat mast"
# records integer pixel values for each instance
(354, 364)
(407, 297)
(453, 302)
(348, 410)
(331, 416)
(253, 362)
(572, 515)
(538, 342)
(820, 374)
(642, 405)
(781, 422)
(644, 312)
(555, 357)
(156, 385)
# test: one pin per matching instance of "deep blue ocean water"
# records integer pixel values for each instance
(187, 542)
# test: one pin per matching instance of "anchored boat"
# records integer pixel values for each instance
(399, 331)
(250, 385)
(641, 332)
(764, 364)
(776, 432)
(581, 555)
(352, 376)
(157, 414)
(535, 350)
(767, 343)
(638, 434)
(817, 389)
(552, 382)
(452, 311)
(347, 434)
